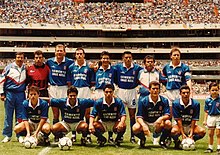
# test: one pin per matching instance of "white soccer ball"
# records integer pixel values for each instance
(188, 144)
(65, 143)
(30, 142)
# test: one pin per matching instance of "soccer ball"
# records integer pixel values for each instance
(30, 142)
(65, 143)
(188, 144)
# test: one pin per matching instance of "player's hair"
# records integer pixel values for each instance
(80, 49)
(184, 87)
(110, 86)
(174, 49)
(72, 89)
(154, 83)
(148, 57)
(38, 52)
(104, 53)
(126, 52)
(33, 88)
(60, 45)
(19, 53)
(213, 84)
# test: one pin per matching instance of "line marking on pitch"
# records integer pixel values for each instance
(44, 151)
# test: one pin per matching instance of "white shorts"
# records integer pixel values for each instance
(84, 92)
(213, 122)
(128, 96)
(70, 126)
(33, 126)
(186, 128)
(98, 94)
(108, 126)
(57, 91)
(150, 126)
(172, 95)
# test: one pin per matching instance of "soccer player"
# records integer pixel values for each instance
(111, 112)
(153, 115)
(72, 111)
(59, 66)
(177, 74)
(37, 74)
(186, 112)
(12, 90)
(80, 75)
(212, 116)
(127, 81)
(34, 116)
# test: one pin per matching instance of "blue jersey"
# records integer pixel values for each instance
(35, 114)
(212, 106)
(112, 112)
(58, 72)
(127, 78)
(176, 76)
(72, 114)
(13, 78)
(104, 77)
(80, 76)
(149, 111)
(186, 113)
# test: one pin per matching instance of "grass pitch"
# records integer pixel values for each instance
(14, 148)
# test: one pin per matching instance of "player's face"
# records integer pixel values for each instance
(185, 94)
(59, 52)
(72, 98)
(38, 60)
(108, 92)
(105, 60)
(79, 55)
(175, 56)
(149, 64)
(19, 60)
(214, 91)
(154, 90)
(33, 96)
(127, 59)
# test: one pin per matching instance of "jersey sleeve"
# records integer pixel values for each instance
(166, 107)
(24, 111)
(206, 107)
(140, 108)
(187, 73)
(176, 112)
(3, 78)
(89, 103)
(94, 110)
(122, 108)
(197, 111)
(55, 102)
(44, 112)
(69, 74)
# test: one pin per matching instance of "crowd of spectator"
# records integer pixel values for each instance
(68, 12)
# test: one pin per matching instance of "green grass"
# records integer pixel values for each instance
(14, 148)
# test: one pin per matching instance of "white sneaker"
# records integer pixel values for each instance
(156, 141)
(6, 139)
(20, 139)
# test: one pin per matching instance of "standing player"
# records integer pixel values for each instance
(127, 81)
(34, 116)
(186, 112)
(177, 74)
(72, 111)
(57, 88)
(111, 112)
(80, 76)
(153, 115)
(37, 74)
(212, 116)
(12, 87)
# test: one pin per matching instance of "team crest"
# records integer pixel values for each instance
(160, 107)
(64, 67)
(191, 111)
(179, 72)
(86, 70)
(217, 104)
(115, 108)
(133, 72)
(110, 75)
(77, 110)
(38, 111)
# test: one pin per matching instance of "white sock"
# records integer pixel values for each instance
(218, 146)
(211, 147)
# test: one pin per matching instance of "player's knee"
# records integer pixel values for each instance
(174, 131)
(83, 127)
(16, 129)
(46, 129)
(136, 128)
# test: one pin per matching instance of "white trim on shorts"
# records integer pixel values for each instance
(213, 122)
(57, 91)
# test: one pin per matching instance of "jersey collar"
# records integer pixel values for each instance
(132, 65)
(84, 64)
(150, 100)
(152, 71)
(113, 101)
(68, 103)
(109, 66)
(181, 103)
(55, 59)
(30, 105)
(179, 65)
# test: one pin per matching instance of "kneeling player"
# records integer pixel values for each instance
(35, 115)
(72, 111)
(153, 115)
(111, 112)
(186, 112)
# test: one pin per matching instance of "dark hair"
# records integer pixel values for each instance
(38, 52)
(104, 53)
(72, 89)
(148, 57)
(19, 53)
(61, 45)
(213, 84)
(126, 52)
(110, 86)
(184, 87)
(80, 49)
(33, 88)
(155, 83)
(174, 49)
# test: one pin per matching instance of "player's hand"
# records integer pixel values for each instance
(91, 128)
(120, 126)
(158, 121)
(184, 136)
(3, 97)
(204, 123)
